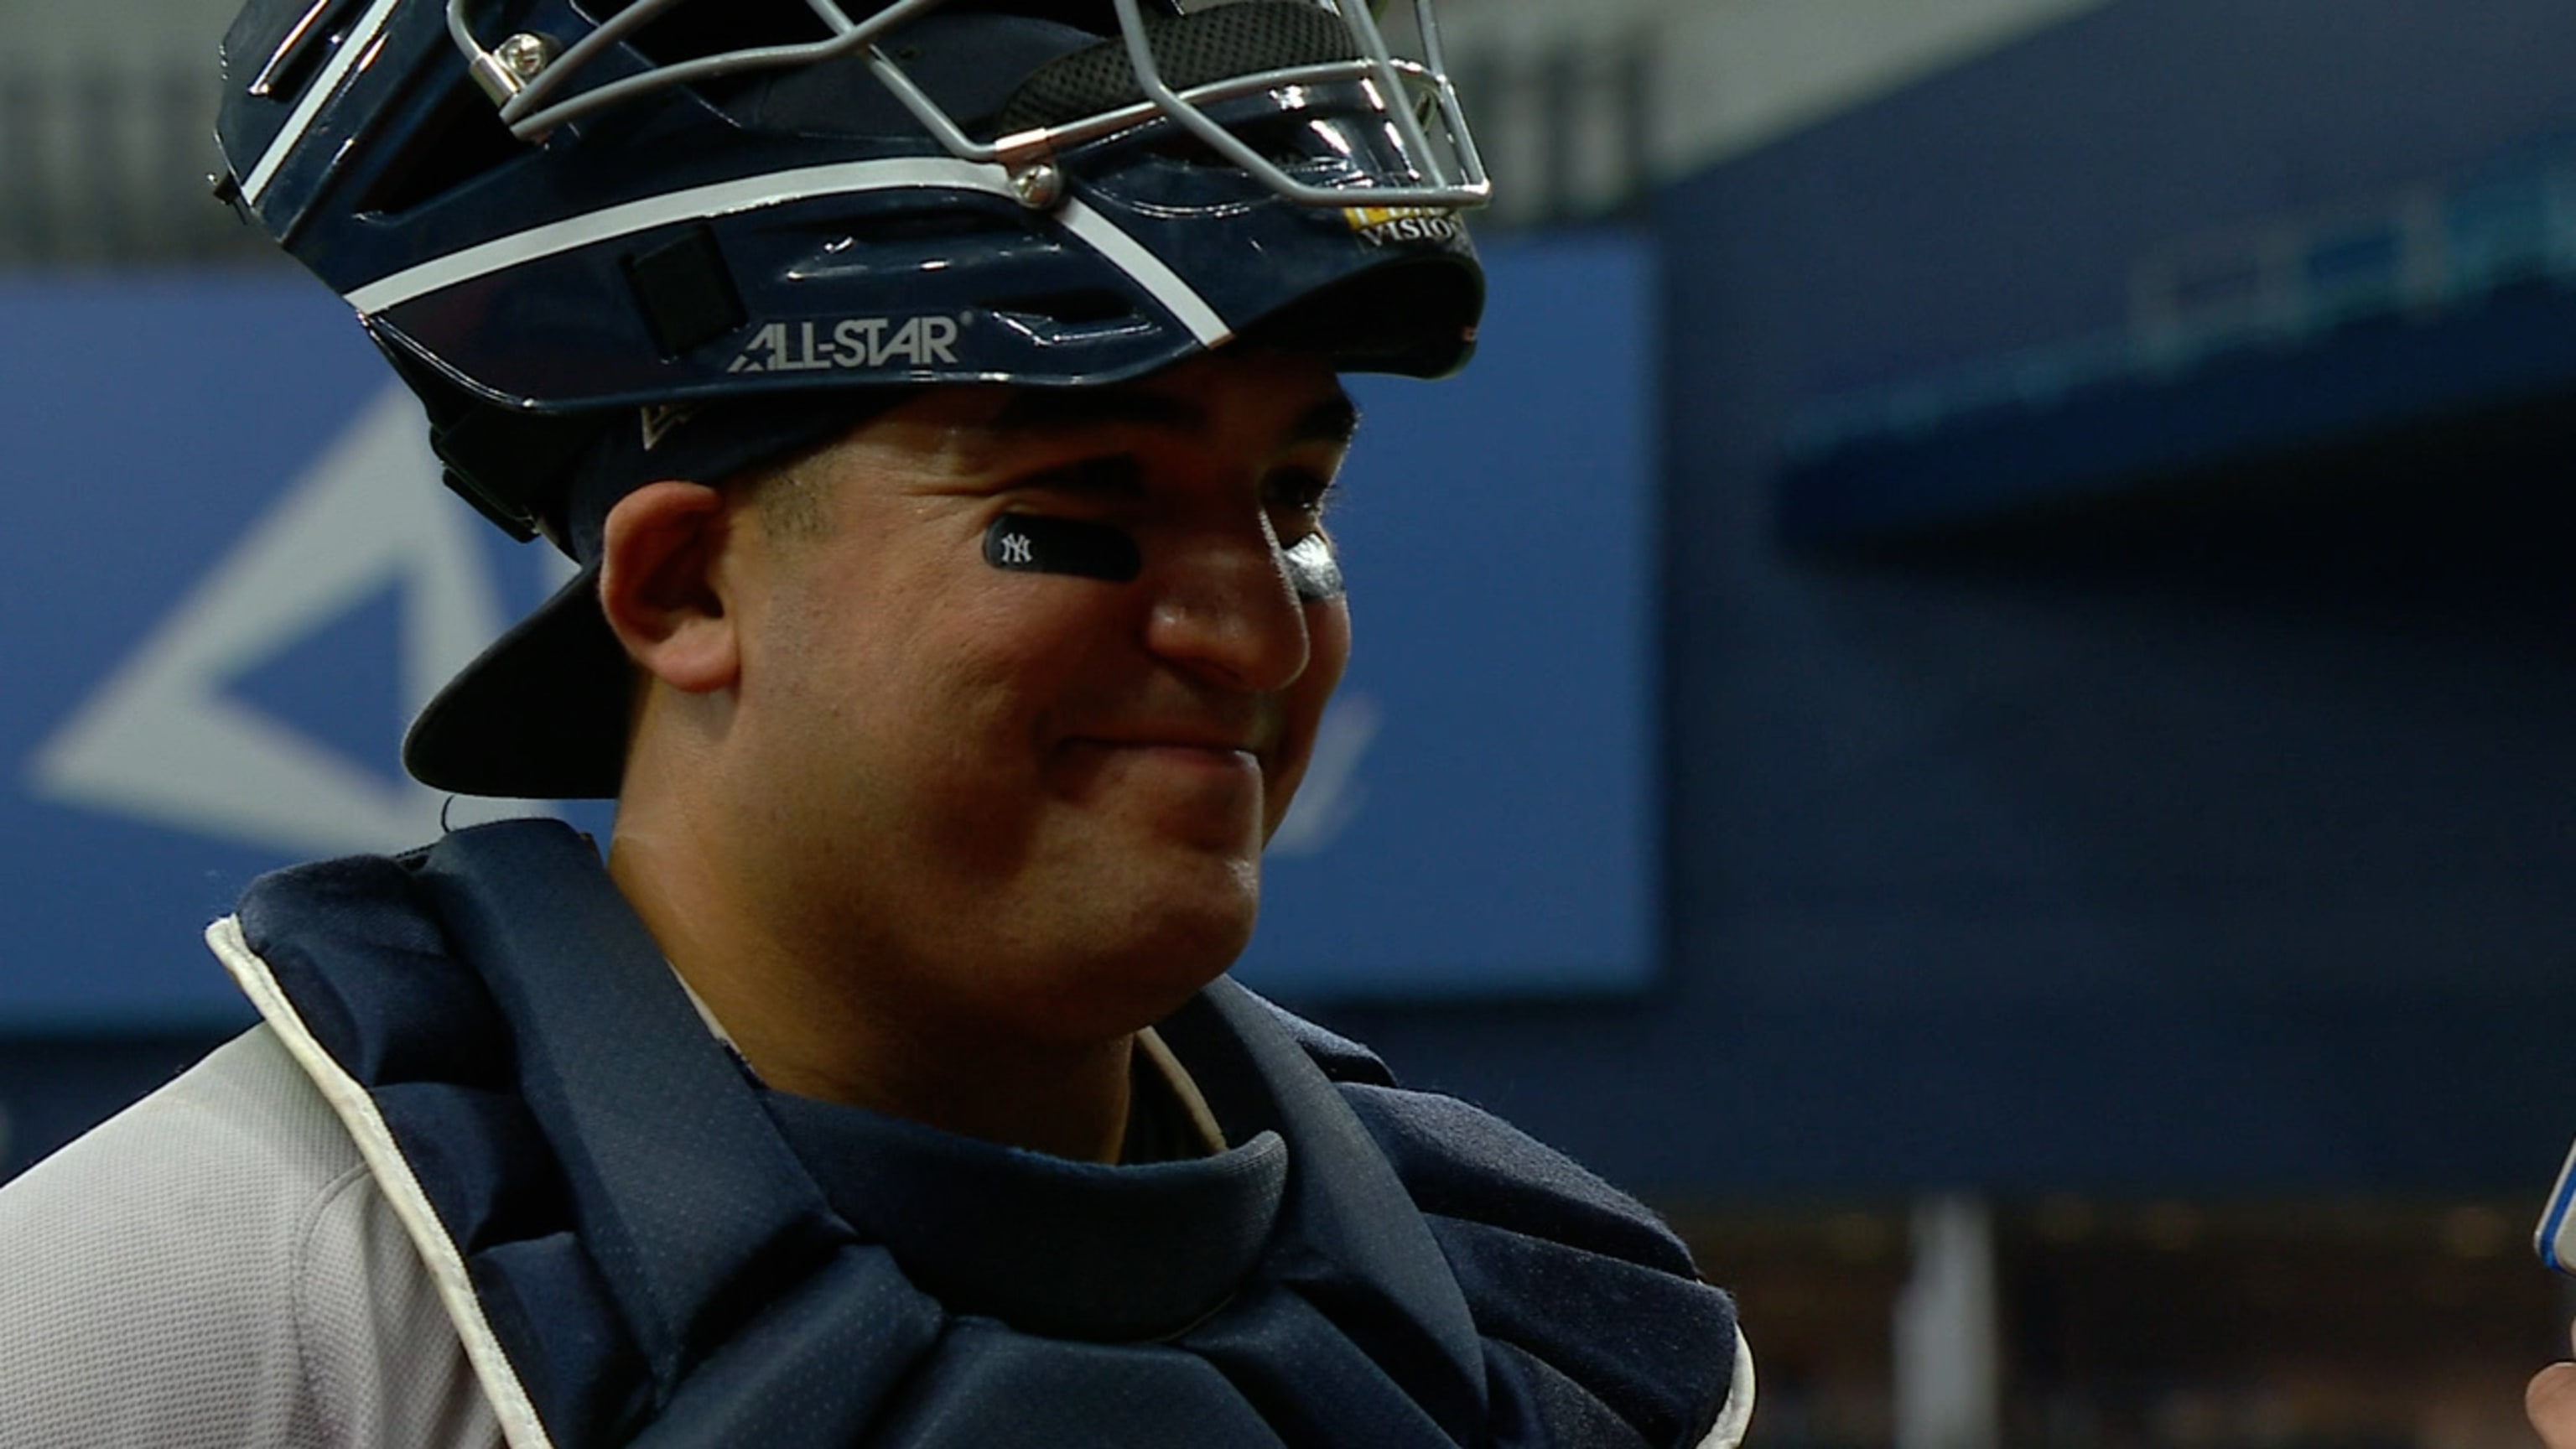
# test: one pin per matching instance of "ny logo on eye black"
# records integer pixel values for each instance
(1041, 543)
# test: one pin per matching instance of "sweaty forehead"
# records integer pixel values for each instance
(1253, 408)
(1257, 406)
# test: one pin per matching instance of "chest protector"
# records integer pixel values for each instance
(642, 1245)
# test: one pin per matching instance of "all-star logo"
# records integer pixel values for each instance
(1388, 225)
(851, 344)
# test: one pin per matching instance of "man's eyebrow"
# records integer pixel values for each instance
(1333, 421)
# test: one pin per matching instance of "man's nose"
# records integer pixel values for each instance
(1224, 608)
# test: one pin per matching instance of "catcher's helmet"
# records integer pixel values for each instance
(573, 223)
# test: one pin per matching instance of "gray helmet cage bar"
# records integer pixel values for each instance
(523, 75)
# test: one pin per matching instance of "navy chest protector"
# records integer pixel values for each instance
(670, 1254)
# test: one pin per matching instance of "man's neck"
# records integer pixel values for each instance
(833, 1025)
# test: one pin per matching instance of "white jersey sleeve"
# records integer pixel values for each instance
(215, 1266)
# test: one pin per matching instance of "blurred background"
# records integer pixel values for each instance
(1982, 709)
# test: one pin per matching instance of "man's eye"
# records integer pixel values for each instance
(1299, 490)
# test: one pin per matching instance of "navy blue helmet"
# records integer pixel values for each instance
(545, 208)
(570, 223)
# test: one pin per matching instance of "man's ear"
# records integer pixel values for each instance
(662, 584)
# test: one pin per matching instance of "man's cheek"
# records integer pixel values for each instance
(1313, 571)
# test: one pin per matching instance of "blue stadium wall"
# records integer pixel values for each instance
(2206, 825)
(2202, 823)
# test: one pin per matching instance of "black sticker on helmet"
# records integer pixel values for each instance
(1039, 543)
(1312, 570)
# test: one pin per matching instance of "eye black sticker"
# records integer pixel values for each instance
(1313, 571)
(1039, 543)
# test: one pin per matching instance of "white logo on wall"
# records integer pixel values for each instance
(1331, 793)
(162, 742)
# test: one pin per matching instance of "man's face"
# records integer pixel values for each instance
(1035, 793)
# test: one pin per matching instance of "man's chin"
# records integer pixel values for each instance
(1138, 969)
(1200, 933)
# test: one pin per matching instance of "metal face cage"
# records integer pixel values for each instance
(535, 89)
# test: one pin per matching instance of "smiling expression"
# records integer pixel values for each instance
(1048, 792)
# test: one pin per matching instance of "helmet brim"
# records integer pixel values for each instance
(540, 714)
